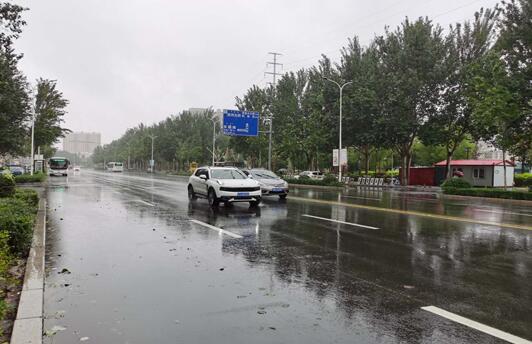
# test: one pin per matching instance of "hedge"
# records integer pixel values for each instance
(17, 215)
(308, 181)
(488, 192)
(523, 179)
(28, 178)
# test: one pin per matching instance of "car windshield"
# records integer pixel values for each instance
(264, 174)
(58, 163)
(118, 164)
(227, 174)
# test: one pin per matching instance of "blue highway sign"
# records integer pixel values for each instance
(241, 123)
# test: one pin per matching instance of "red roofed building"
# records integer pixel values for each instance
(481, 172)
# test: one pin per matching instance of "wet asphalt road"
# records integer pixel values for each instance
(140, 271)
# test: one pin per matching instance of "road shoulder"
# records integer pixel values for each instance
(28, 322)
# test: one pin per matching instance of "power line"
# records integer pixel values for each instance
(298, 61)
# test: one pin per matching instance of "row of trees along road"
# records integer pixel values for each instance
(415, 86)
(18, 99)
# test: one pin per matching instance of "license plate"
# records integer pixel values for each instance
(242, 194)
(277, 190)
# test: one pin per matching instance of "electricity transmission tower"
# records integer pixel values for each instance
(274, 74)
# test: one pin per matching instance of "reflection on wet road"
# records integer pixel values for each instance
(146, 266)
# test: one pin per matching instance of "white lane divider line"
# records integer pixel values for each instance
(476, 325)
(223, 231)
(338, 221)
(144, 202)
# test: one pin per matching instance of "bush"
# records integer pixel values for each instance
(17, 215)
(7, 185)
(329, 179)
(28, 178)
(457, 183)
(488, 192)
(523, 179)
(31, 197)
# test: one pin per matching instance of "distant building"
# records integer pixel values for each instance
(486, 151)
(81, 143)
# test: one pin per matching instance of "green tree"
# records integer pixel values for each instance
(497, 114)
(410, 72)
(49, 111)
(451, 122)
(14, 99)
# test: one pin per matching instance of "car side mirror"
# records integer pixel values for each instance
(204, 177)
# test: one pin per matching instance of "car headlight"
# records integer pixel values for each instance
(219, 182)
(262, 184)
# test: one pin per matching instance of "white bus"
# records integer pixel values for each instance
(58, 166)
(115, 166)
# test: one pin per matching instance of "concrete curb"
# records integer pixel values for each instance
(29, 321)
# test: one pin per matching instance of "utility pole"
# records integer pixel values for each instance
(213, 138)
(274, 74)
(32, 142)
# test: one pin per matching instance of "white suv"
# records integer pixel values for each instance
(223, 184)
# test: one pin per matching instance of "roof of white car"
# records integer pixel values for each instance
(220, 167)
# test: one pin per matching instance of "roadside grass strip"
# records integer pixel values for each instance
(476, 325)
(222, 231)
(413, 213)
(338, 221)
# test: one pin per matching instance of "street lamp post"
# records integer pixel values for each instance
(32, 143)
(341, 87)
(152, 162)
(213, 138)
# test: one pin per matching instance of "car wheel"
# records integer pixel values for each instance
(213, 200)
(283, 197)
(254, 204)
(191, 194)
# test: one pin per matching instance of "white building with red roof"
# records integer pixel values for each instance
(482, 172)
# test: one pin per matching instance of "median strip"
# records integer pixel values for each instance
(222, 231)
(476, 325)
(414, 213)
(338, 221)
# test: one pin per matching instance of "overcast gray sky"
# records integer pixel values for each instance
(122, 62)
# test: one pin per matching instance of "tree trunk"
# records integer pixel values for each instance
(504, 167)
(448, 172)
(366, 160)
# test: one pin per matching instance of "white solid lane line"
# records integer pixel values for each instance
(338, 221)
(144, 202)
(476, 325)
(233, 235)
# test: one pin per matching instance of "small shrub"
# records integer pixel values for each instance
(329, 179)
(28, 178)
(16, 219)
(28, 196)
(457, 183)
(523, 179)
(7, 185)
